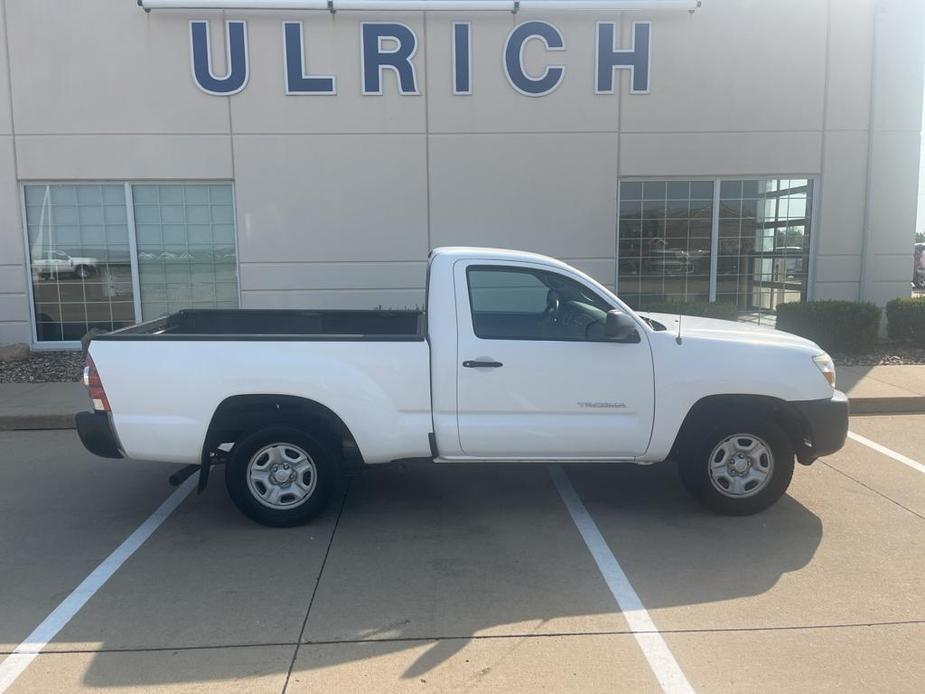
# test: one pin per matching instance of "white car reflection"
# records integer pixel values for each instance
(54, 263)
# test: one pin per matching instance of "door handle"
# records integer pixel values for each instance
(482, 364)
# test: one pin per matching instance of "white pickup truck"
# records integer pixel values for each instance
(516, 358)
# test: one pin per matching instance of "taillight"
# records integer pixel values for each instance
(95, 387)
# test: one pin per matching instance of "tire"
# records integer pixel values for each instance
(253, 482)
(711, 466)
(83, 271)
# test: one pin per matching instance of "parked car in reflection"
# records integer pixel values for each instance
(918, 266)
(794, 261)
(670, 261)
(54, 263)
(663, 259)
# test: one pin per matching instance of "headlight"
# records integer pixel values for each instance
(825, 364)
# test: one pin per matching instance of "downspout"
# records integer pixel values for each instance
(866, 230)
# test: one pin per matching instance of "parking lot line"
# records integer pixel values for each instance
(887, 451)
(663, 664)
(15, 663)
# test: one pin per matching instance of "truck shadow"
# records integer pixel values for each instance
(424, 558)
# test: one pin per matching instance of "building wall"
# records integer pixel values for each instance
(895, 141)
(339, 198)
(14, 306)
(920, 217)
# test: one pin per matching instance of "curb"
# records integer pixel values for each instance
(27, 422)
(891, 405)
(857, 406)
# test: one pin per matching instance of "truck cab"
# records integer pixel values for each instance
(523, 368)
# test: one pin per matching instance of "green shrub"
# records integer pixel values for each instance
(845, 327)
(906, 320)
(703, 309)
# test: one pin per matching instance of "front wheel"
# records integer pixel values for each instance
(280, 476)
(738, 467)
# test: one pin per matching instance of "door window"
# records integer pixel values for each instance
(510, 303)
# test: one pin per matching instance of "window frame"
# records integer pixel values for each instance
(529, 269)
(132, 242)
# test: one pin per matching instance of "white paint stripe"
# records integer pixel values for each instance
(25, 653)
(653, 646)
(887, 452)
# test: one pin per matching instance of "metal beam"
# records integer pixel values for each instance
(429, 5)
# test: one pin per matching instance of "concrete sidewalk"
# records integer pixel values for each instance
(41, 405)
(883, 389)
(871, 389)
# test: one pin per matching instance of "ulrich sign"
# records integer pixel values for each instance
(392, 46)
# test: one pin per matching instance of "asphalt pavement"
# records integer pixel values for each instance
(466, 578)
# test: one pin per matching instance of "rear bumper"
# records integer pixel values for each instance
(825, 426)
(96, 434)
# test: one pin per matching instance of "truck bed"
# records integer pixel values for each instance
(278, 324)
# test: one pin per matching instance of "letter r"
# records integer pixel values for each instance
(374, 58)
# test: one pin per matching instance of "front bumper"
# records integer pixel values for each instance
(824, 424)
(96, 434)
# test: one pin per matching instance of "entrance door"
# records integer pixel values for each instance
(536, 375)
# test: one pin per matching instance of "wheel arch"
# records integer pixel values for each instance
(711, 406)
(239, 414)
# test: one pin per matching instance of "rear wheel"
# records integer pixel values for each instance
(83, 271)
(739, 466)
(280, 476)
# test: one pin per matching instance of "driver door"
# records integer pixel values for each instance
(536, 377)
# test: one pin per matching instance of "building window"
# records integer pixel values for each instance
(186, 247)
(665, 241)
(760, 230)
(80, 260)
(84, 275)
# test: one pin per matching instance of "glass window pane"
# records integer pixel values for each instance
(679, 208)
(654, 190)
(679, 190)
(63, 195)
(631, 191)
(701, 190)
(749, 189)
(186, 251)
(81, 272)
(730, 189)
(220, 194)
(630, 209)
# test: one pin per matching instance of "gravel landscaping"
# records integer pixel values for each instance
(886, 356)
(44, 367)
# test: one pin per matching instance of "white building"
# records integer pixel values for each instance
(752, 151)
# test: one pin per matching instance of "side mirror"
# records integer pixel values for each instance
(619, 325)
